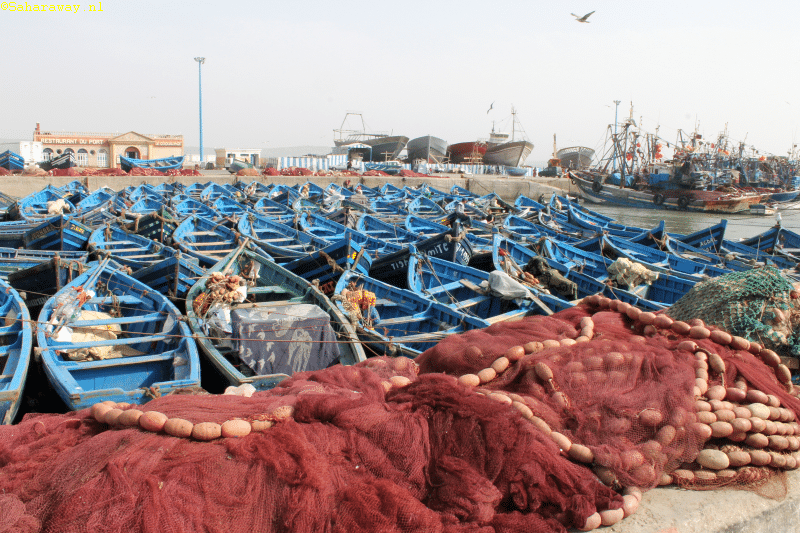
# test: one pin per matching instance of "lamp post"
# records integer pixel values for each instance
(200, 61)
(614, 161)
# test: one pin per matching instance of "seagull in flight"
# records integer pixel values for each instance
(583, 18)
(490, 108)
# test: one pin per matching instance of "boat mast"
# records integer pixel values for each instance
(614, 156)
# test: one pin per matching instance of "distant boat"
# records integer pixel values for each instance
(390, 167)
(470, 152)
(64, 161)
(575, 157)
(11, 161)
(384, 147)
(509, 154)
(503, 148)
(237, 164)
(428, 148)
(163, 164)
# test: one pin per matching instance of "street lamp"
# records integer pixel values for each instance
(200, 61)
(613, 162)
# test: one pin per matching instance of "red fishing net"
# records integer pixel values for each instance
(489, 433)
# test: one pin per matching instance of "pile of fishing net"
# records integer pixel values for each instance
(760, 305)
(406, 173)
(71, 171)
(4, 171)
(506, 429)
(374, 173)
(296, 171)
(271, 171)
(247, 172)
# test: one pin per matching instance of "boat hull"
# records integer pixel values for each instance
(510, 154)
(575, 157)
(428, 148)
(470, 152)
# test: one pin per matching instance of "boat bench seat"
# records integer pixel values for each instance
(199, 233)
(208, 243)
(108, 342)
(402, 320)
(126, 299)
(117, 361)
(150, 317)
(270, 289)
(121, 250)
(463, 304)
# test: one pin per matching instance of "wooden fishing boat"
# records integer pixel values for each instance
(11, 161)
(324, 266)
(106, 336)
(40, 205)
(16, 341)
(450, 245)
(267, 207)
(402, 323)
(658, 260)
(329, 230)
(60, 233)
(210, 242)
(595, 226)
(282, 243)
(38, 282)
(532, 231)
(63, 161)
(172, 276)
(156, 225)
(473, 291)
(163, 164)
(284, 325)
(378, 229)
(191, 207)
(425, 208)
(127, 249)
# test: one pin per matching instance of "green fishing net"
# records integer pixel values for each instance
(759, 305)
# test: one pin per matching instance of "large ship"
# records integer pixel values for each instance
(428, 148)
(470, 152)
(384, 147)
(575, 157)
(503, 149)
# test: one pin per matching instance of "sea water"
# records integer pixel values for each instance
(740, 226)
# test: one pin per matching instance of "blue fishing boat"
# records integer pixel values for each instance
(172, 276)
(597, 226)
(381, 230)
(214, 191)
(493, 297)
(267, 207)
(210, 242)
(11, 161)
(282, 243)
(16, 340)
(60, 233)
(329, 230)
(392, 168)
(658, 260)
(155, 225)
(106, 336)
(532, 232)
(397, 321)
(40, 281)
(425, 208)
(190, 207)
(163, 164)
(285, 325)
(324, 266)
(127, 249)
(43, 204)
(451, 245)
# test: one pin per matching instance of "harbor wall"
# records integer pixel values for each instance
(508, 188)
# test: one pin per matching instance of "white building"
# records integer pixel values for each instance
(225, 156)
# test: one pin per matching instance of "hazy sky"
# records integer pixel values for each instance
(284, 73)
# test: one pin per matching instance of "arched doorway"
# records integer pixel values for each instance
(132, 152)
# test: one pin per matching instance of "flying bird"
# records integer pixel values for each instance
(490, 108)
(583, 18)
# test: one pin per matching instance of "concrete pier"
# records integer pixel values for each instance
(508, 188)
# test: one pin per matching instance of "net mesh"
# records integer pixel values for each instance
(757, 304)
(507, 429)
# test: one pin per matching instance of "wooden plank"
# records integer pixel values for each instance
(108, 342)
(402, 320)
